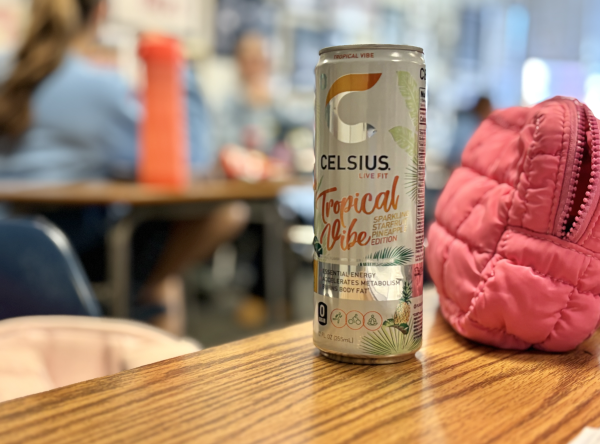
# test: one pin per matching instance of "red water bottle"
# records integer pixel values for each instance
(163, 156)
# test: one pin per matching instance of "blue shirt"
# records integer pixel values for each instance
(85, 124)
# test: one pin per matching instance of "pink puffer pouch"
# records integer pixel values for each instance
(515, 249)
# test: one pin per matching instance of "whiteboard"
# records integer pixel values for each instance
(179, 18)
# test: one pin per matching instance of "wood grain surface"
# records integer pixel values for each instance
(276, 388)
(98, 193)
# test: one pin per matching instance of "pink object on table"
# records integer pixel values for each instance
(40, 353)
(515, 249)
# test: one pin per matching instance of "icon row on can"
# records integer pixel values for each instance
(355, 320)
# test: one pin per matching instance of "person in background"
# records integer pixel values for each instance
(64, 118)
(249, 118)
(249, 126)
(253, 116)
(467, 123)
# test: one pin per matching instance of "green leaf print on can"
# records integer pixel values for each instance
(406, 138)
(390, 340)
(410, 91)
(389, 257)
(317, 246)
(411, 181)
(319, 249)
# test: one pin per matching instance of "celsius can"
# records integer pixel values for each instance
(369, 185)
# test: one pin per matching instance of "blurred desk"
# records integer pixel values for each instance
(153, 202)
(136, 194)
(276, 388)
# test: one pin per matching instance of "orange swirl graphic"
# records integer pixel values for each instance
(352, 82)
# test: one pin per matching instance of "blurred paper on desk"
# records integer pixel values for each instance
(587, 436)
(251, 165)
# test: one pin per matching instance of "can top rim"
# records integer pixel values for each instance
(371, 46)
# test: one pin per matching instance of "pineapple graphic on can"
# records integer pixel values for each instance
(370, 126)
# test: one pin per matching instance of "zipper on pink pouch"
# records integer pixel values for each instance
(582, 176)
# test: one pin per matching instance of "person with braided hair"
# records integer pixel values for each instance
(65, 118)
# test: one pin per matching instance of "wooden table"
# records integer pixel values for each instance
(132, 193)
(276, 388)
(151, 202)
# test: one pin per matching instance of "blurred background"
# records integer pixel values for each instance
(253, 62)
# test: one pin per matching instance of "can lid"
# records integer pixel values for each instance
(371, 46)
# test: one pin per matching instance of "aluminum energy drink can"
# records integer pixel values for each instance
(369, 184)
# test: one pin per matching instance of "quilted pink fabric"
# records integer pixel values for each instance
(515, 250)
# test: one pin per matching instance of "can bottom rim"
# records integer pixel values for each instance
(353, 359)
